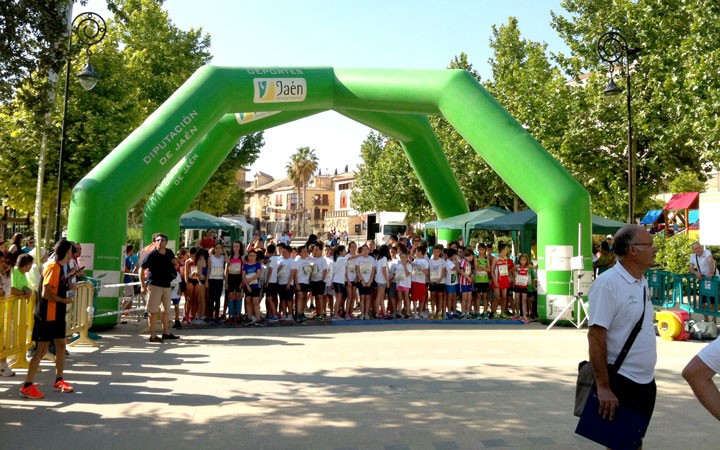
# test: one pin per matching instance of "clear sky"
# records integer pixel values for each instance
(402, 34)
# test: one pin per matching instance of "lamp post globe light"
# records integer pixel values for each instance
(612, 48)
(89, 29)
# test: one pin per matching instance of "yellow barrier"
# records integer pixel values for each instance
(80, 314)
(15, 328)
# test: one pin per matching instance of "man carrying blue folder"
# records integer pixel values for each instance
(621, 328)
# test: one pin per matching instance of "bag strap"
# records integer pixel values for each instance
(631, 339)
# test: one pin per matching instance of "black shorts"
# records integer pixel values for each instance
(635, 396)
(44, 331)
(304, 287)
(317, 287)
(365, 290)
(234, 282)
(340, 288)
(193, 281)
(254, 291)
(437, 287)
(482, 287)
(520, 289)
(182, 286)
(271, 290)
(286, 293)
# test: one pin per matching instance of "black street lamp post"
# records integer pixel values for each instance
(612, 48)
(89, 29)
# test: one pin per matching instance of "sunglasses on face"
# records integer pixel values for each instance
(160, 240)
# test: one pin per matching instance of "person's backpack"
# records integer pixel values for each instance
(702, 331)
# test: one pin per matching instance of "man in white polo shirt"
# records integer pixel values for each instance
(617, 301)
(699, 374)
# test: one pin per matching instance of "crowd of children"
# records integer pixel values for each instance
(353, 283)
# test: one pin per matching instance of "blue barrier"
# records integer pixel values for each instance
(662, 288)
(698, 296)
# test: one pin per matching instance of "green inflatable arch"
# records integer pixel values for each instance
(178, 148)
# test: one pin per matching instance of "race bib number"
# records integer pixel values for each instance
(503, 270)
(435, 274)
(521, 280)
(468, 270)
(307, 268)
(400, 274)
(216, 271)
(235, 268)
(365, 268)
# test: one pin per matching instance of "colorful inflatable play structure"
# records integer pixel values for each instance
(176, 150)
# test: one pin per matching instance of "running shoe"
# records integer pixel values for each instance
(273, 319)
(6, 371)
(63, 386)
(31, 392)
(169, 336)
(155, 339)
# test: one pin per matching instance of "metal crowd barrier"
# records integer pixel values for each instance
(685, 290)
(16, 321)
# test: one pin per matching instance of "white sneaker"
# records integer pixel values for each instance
(416, 316)
(6, 371)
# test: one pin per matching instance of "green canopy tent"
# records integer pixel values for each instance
(464, 221)
(525, 222)
(198, 220)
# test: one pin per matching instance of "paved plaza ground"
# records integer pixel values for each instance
(388, 386)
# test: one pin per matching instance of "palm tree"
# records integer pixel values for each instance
(303, 163)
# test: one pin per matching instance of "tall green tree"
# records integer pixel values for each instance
(143, 59)
(674, 98)
(303, 163)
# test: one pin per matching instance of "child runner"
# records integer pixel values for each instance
(394, 306)
(192, 286)
(352, 283)
(286, 277)
(317, 281)
(216, 280)
(381, 279)
(452, 288)
(175, 297)
(330, 261)
(340, 281)
(233, 274)
(500, 270)
(365, 273)
(402, 277)
(437, 267)
(523, 279)
(201, 288)
(252, 272)
(304, 267)
(418, 288)
(467, 264)
(271, 284)
(482, 280)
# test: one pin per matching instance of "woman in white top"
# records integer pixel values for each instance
(381, 279)
(216, 278)
(402, 274)
(352, 282)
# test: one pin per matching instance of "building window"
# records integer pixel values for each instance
(325, 199)
(343, 200)
(316, 214)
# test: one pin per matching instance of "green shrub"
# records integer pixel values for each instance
(673, 253)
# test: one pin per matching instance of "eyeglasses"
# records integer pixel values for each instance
(160, 240)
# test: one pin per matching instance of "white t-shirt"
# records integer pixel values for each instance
(702, 262)
(403, 279)
(710, 355)
(616, 303)
(339, 272)
(451, 272)
(436, 268)
(417, 266)
(382, 263)
(391, 267)
(284, 270)
(304, 269)
(175, 287)
(330, 270)
(217, 267)
(319, 265)
(351, 266)
(365, 266)
(273, 265)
